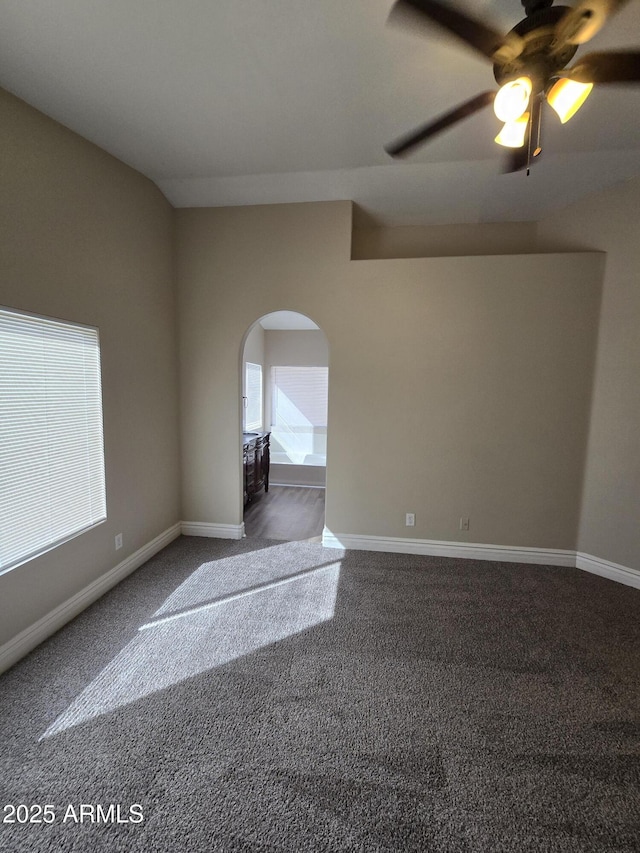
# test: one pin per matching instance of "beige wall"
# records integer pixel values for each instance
(301, 347)
(87, 239)
(434, 241)
(610, 221)
(459, 386)
(234, 266)
(254, 345)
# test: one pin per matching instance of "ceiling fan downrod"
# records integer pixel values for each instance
(533, 6)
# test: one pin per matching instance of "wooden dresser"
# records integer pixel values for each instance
(255, 459)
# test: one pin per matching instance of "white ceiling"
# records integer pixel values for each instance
(287, 320)
(227, 102)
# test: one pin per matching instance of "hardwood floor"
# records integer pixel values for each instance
(292, 513)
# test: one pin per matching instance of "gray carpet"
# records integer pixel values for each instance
(264, 696)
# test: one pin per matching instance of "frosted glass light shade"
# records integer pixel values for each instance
(512, 99)
(567, 96)
(513, 133)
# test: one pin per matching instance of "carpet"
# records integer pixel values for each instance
(263, 696)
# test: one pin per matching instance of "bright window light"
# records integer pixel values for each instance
(51, 439)
(299, 414)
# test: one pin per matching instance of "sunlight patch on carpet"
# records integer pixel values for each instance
(223, 611)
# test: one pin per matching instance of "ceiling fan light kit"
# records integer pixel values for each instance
(567, 96)
(512, 99)
(529, 65)
(514, 133)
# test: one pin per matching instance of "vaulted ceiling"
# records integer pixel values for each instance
(226, 102)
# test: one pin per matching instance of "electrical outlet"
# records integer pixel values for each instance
(464, 523)
(118, 541)
(410, 519)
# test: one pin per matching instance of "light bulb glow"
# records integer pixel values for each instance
(513, 133)
(567, 96)
(512, 99)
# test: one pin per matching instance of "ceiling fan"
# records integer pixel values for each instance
(529, 65)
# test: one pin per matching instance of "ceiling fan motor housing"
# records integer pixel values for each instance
(541, 57)
(531, 6)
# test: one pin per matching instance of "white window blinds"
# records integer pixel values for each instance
(52, 483)
(300, 396)
(299, 415)
(253, 391)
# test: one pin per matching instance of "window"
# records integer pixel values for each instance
(253, 398)
(299, 414)
(52, 484)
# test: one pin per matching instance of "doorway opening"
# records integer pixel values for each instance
(285, 380)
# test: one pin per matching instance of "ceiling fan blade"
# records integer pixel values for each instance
(516, 159)
(403, 145)
(584, 20)
(474, 33)
(607, 67)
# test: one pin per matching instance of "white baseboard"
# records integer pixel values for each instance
(308, 476)
(297, 485)
(213, 531)
(12, 651)
(16, 648)
(438, 548)
(479, 551)
(607, 569)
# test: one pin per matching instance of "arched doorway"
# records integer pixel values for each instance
(284, 382)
